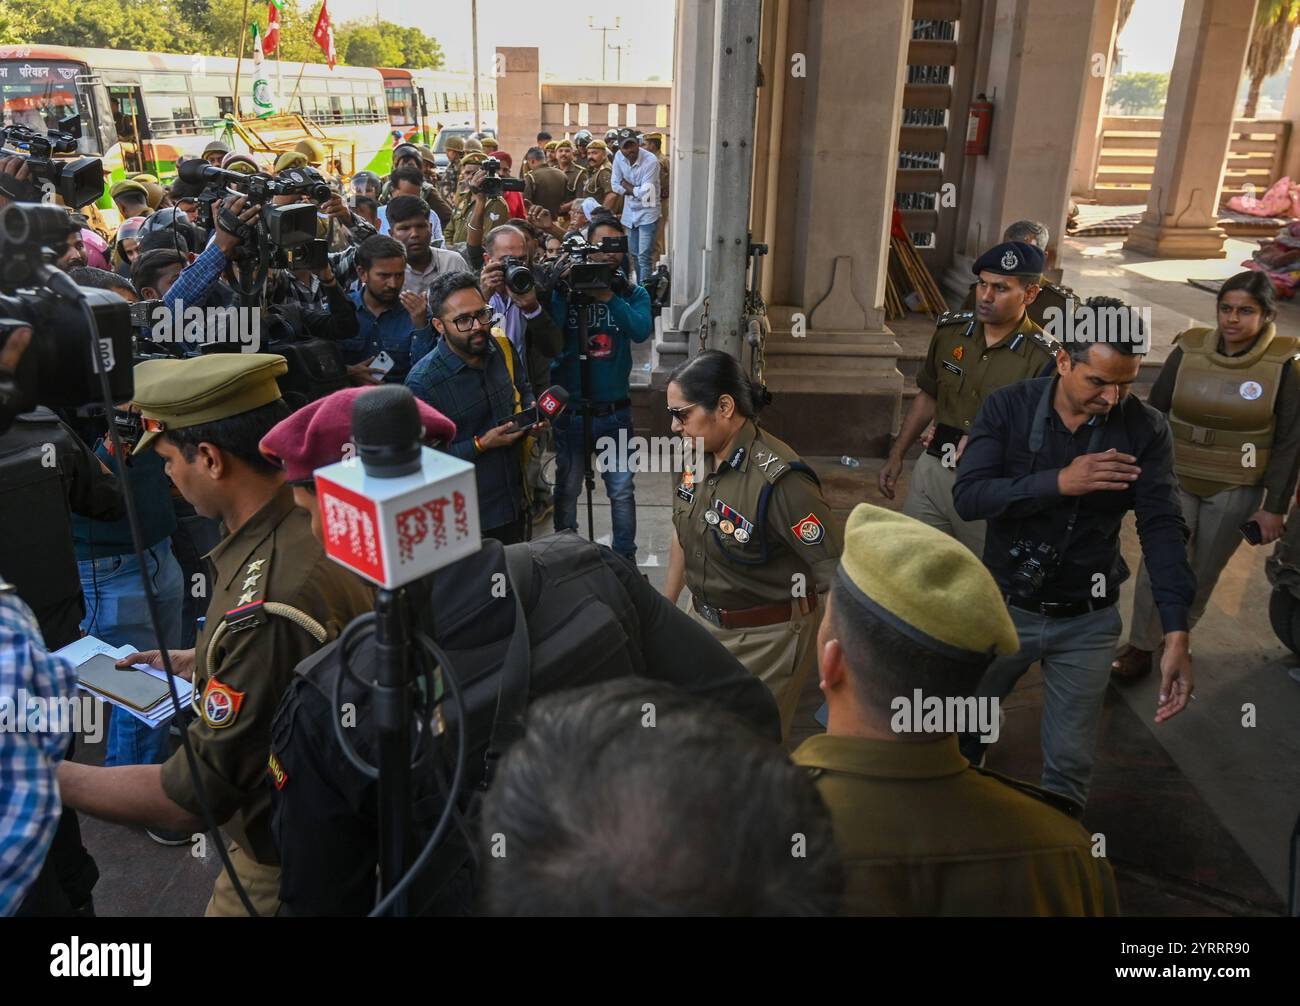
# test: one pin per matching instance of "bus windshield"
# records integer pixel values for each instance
(38, 93)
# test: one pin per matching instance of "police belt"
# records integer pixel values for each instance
(603, 408)
(753, 618)
(1061, 609)
(943, 436)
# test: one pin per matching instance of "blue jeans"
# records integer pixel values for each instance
(116, 612)
(640, 245)
(1076, 655)
(568, 476)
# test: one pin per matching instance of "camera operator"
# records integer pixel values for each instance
(1054, 463)
(325, 812)
(616, 318)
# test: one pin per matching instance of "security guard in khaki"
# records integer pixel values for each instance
(276, 599)
(575, 175)
(758, 543)
(600, 178)
(960, 369)
(451, 173)
(920, 830)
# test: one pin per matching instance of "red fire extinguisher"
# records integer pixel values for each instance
(979, 125)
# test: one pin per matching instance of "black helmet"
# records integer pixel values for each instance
(582, 137)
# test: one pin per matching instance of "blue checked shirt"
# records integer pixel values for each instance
(389, 331)
(29, 792)
(477, 399)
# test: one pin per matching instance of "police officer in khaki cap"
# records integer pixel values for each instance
(276, 599)
(455, 148)
(971, 354)
(912, 621)
(752, 535)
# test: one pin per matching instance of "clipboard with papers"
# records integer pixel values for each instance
(140, 690)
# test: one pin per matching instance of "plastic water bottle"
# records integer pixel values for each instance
(849, 462)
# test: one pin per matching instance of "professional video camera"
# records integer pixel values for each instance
(583, 276)
(61, 366)
(280, 227)
(494, 186)
(77, 181)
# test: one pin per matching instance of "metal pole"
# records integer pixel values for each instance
(473, 7)
(239, 63)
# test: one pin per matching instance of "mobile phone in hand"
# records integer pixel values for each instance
(526, 419)
(383, 362)
(1251, 532)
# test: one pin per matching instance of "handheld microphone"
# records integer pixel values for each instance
(406, 510)
(552, 401)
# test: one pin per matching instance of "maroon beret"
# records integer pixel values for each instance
(318, 433)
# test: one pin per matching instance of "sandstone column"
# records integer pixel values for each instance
(519, 101)
(1180, 221)
(1102, 46)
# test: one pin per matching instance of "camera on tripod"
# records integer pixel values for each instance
(1036, 564)
(493, 186)
(584, 276)
(61, 365)
(77, 181)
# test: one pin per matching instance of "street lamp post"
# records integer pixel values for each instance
(604, 30)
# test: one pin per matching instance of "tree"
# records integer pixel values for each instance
(1270, 41)
(361, 43)
(1138, 93)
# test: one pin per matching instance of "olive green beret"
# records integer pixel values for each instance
(489, 142)
(144, 176)
(924, 584)
(564, 145)
(552, 144)
(175, 394)
(597, 145)
(474, 157)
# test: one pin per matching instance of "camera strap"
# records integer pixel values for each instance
(1037, 434)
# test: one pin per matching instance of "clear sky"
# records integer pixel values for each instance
(1151, 35)
(569, 49)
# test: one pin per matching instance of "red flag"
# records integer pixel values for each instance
(271, 40)
(324, 35)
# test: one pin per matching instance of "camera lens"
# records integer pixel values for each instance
(35, 224)
(519, 278)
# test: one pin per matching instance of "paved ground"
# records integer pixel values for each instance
(1196, 813)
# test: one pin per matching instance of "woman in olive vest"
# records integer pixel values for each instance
(752, 534)
(1232, 395)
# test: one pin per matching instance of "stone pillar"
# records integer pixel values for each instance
(1180, 221)
(519, 101)
(1038, 62)
(829, 352)
(1105, 25)
(1291, 113)
(689, 191)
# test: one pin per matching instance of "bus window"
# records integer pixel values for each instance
(169, 114)
(38, 93)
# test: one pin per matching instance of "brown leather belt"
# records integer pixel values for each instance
(753, 618)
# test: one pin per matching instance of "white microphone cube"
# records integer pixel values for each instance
(394, 531)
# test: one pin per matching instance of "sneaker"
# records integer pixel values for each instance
(164, 836)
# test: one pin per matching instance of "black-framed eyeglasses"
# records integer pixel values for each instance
(680, 414)
(465, 322)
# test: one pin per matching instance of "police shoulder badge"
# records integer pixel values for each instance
(220, 704)
(809, 530)
(278, 775)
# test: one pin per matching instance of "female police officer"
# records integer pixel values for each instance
(752, 537)
(1232, 394)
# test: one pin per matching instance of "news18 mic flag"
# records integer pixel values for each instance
(393, 531)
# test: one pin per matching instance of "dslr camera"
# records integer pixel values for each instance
(493, 186)
(61, 366)
(77, 181)
(1036, 565)
(518, 276)
(583, 276)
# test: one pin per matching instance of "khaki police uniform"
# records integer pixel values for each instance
(546, 186)
(758, 544)
(919, 830)
(1217, 406)
(923, 832)
(960, 370)
(276, 599)
(575, 182)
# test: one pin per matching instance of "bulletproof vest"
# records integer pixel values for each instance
(1222, 403)
(582, 627)
(39, 560)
